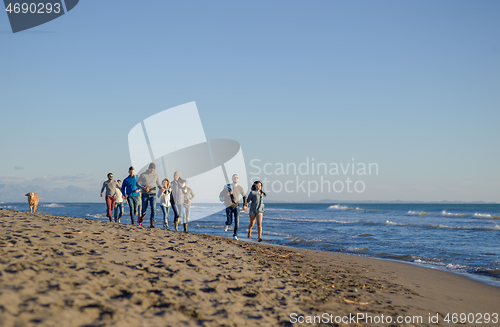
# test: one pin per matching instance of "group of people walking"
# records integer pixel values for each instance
(143, 191)
(231, 194)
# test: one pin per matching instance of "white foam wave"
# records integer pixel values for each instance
(338, 207)
(98, 216)
(451, 214)
(52, 205)
(276, 209)
(482, 215)
(358, 250)
(416, 213)
(450, 266)
(313, 220)
(496, 227)
(388, 222)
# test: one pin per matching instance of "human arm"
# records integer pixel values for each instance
(158, 183)
(242, 192)
(103, 187)
(123, 188)
(139, 184)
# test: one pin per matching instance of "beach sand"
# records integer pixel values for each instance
(63, 271)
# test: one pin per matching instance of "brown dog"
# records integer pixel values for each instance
(32, 201)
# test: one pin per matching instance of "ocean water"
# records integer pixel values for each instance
(461, 238)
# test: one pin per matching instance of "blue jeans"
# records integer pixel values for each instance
(230, 211)
(165, 211)
(133, 204)
(118, 210)
(151, 199)
(176, 213)
(180, 212)
(187, 212)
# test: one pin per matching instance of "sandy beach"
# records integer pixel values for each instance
(63, 271)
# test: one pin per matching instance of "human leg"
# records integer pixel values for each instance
(176, 216)
(132, 204)
(259, 225)
(229, 216)
(120, 210)
(144, 207)
(152, 202)
(165, 211)
(236, 213)
(187, 212)
(252, 222)
(110, 204)
(180, 210)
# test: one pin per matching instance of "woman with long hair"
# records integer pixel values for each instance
(178, 190)
(164, 196)
(256, 208)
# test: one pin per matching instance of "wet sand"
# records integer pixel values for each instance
(63, 271)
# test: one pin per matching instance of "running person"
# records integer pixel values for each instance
(110, 186)
(118, 202)
(132, 193)
(231, 194)
(178, 192)
(164, 196)
(188, 197)
(148, 182)
(256, 208)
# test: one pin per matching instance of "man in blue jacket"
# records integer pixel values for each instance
(131, 193)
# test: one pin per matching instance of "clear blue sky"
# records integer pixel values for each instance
(410, 85)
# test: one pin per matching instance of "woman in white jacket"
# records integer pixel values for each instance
(165, 201)
(178, 190)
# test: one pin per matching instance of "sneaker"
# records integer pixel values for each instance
(141, 218)
(226, 228)
(235, 238)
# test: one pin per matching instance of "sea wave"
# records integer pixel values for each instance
(97, 216)
(357, 250)
(363, 235)
(416, 213)
(339, 207)
(415, 258)
(313, 220)
(52, 205)
(485, 216)
(451, 214)
(276, 209)
(496, 227)
(388, 222)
